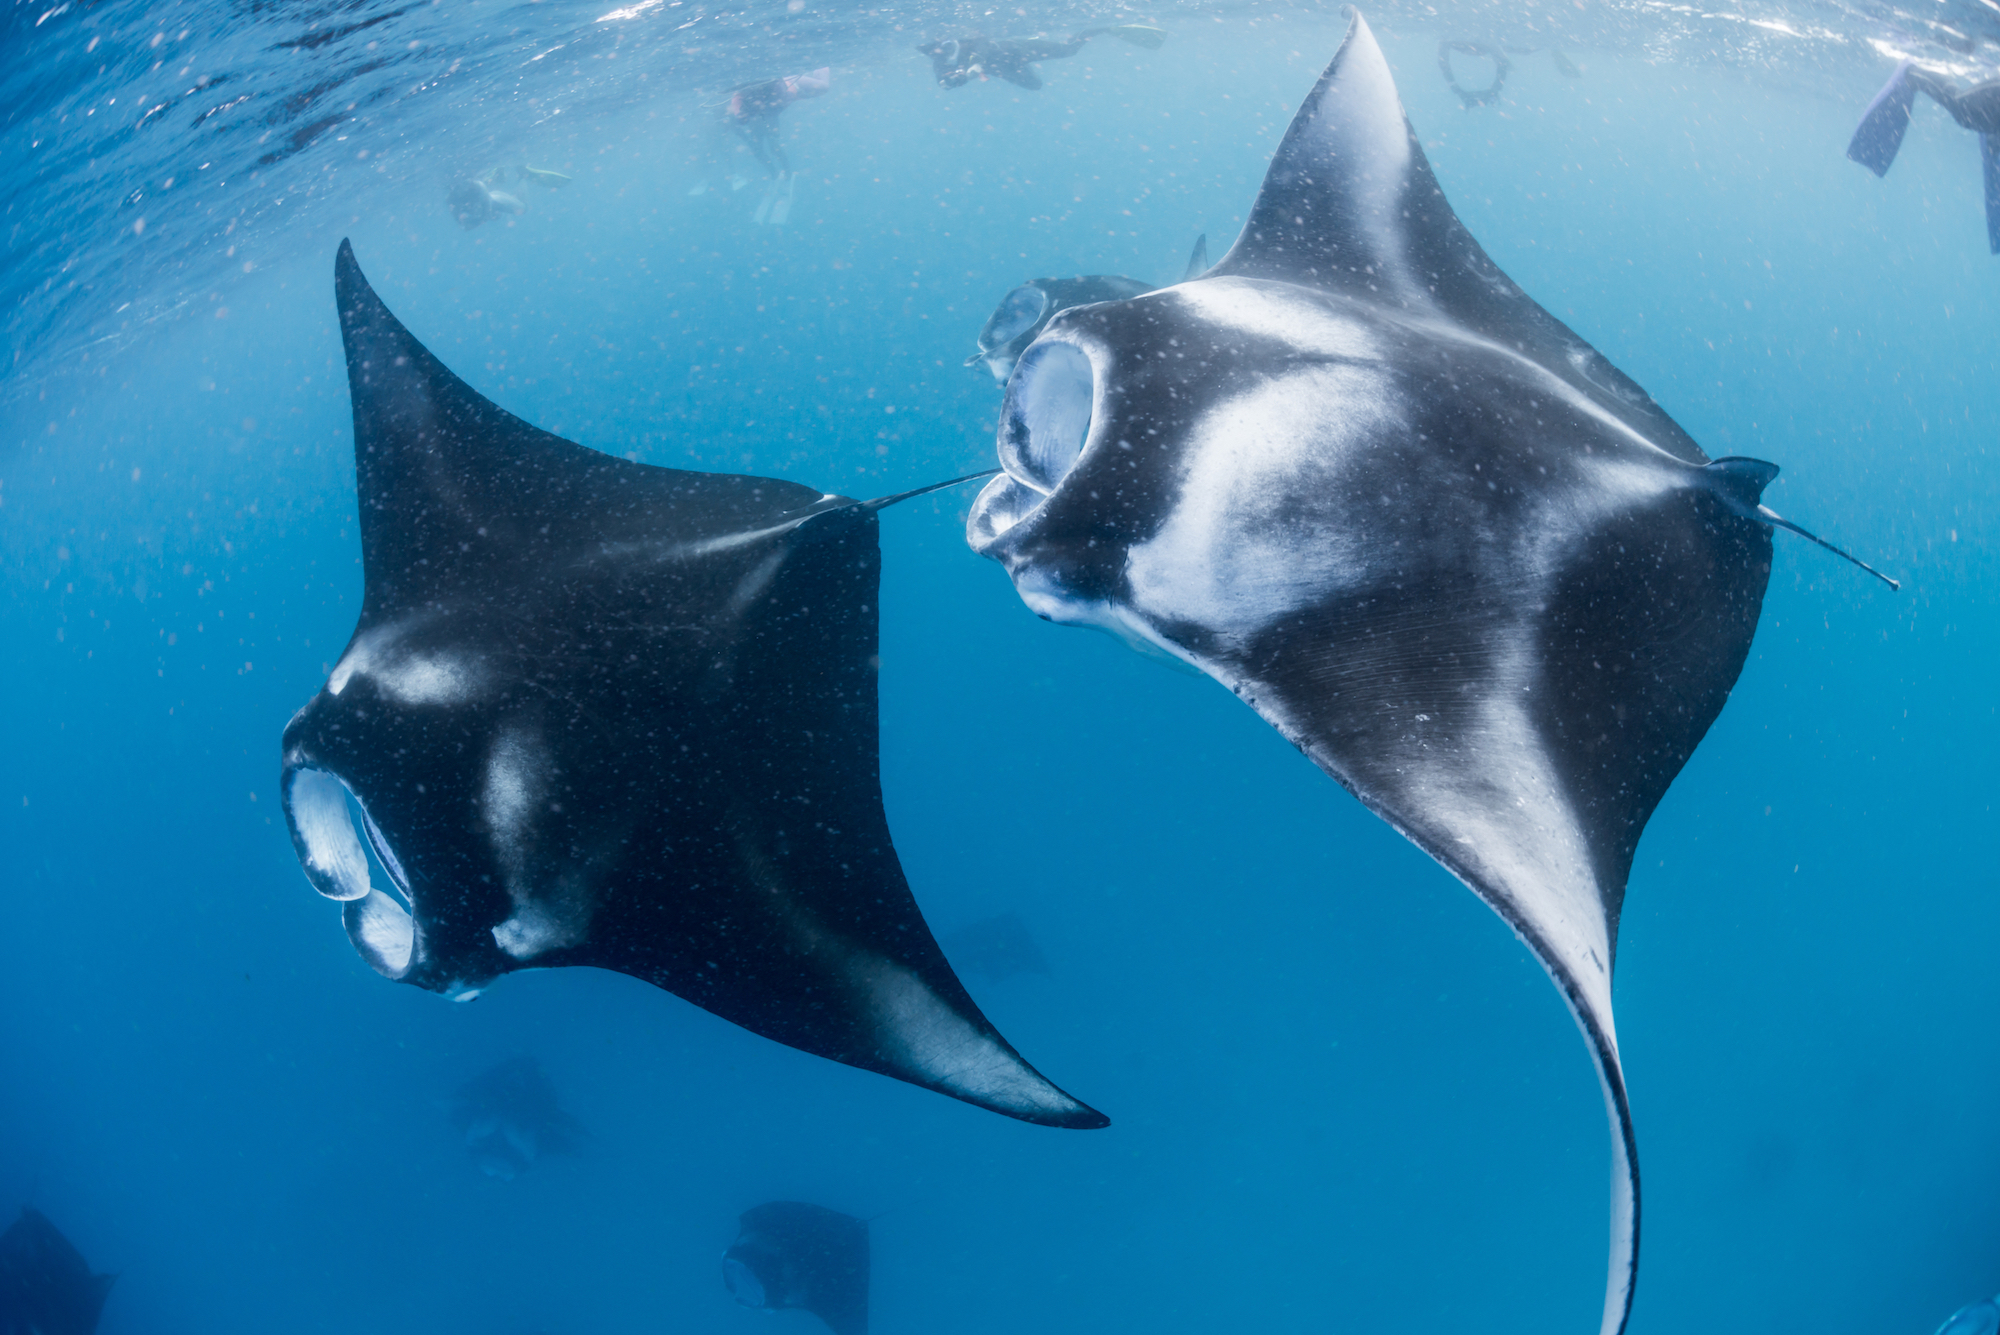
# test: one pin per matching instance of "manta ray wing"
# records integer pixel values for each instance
(1358, 477)
(1350, 205)
(600, 713)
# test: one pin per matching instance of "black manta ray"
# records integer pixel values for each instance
(46, 1287)
(600, 713)
(507, 1117)
(1026, 311)
(791, 1254)
(1356, 475)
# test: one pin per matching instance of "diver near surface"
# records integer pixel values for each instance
(1502, 67)
(1880, 134)
(1473, 97)
(477, 199)
(959, 60)
(754, 108)
(752, 111)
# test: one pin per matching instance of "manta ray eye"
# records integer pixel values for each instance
(1016, 315)
(1047, 415)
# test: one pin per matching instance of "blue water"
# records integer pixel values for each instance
(1344, 1096)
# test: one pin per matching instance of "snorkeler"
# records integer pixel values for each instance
(1880, 134)
(959, 60)
(1474, 97)
(753, 111)
(476, 199)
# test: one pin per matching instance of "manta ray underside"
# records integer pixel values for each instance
(1356, 475)
(600, 713)
(789, 1254)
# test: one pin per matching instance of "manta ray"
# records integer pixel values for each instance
(46, 1287)
(1467, 566)
(600, 713)
(508, 1118)
(791, 1254)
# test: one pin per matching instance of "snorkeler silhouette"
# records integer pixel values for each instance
(753, 111)
(1880, 134)
(961, 59)
(1474, 97)
(476, 199)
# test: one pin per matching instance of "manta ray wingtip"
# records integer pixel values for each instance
(346, 271)
(1085, 1118)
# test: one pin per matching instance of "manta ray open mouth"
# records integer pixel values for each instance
(328, 823)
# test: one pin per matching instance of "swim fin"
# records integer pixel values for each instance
(1989, 159)
(781, 204)
(1880, 133)
(1138, 34)
(1198, 259)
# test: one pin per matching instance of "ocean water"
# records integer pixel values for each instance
(1344, 1096)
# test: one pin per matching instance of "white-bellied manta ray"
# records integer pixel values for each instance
(602, 713)
(1356, 475)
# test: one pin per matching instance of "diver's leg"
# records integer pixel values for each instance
(757, 134)
(1045, 50)
(1943, 92)
(1981, 107)
(1989, 159)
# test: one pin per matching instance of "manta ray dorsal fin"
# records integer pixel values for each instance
(1350, 205)
(448, 481)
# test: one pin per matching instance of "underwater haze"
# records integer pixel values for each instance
(1343, 1094)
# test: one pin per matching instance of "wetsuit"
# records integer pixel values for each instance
(1977, 108)
(960, 60)
(754, 109)
(1880, 135)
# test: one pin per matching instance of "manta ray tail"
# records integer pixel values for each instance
(1740, 482)
(884, 502)
(1880, 134)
